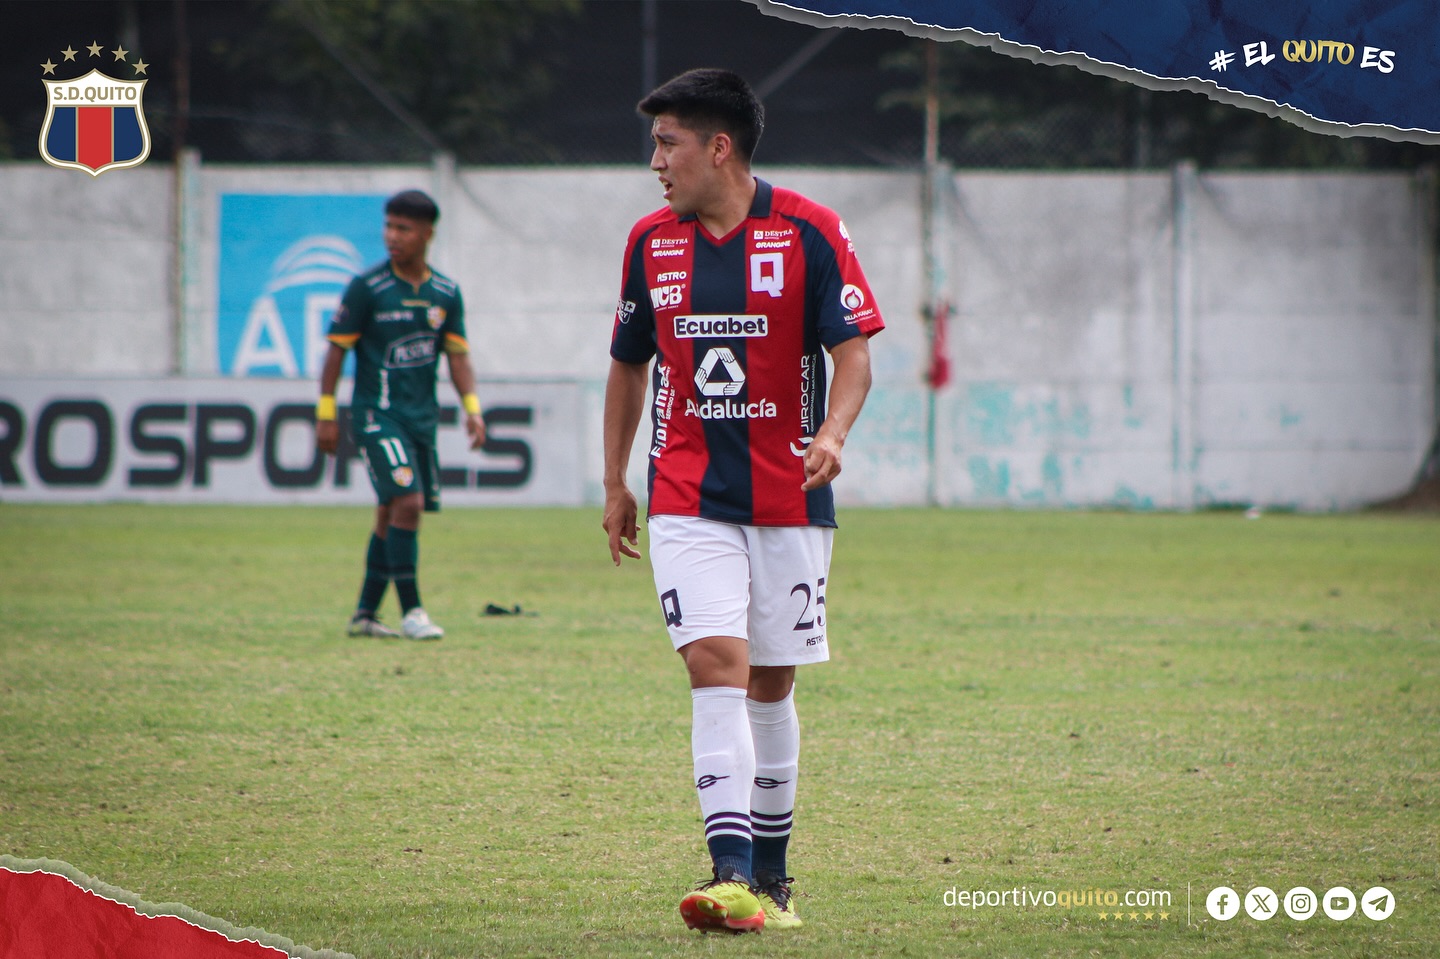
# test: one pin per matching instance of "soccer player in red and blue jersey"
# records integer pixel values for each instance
(736, 290)
(399, 317)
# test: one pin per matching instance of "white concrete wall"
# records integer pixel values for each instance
(1063, 335)
(1276, 347)
(1314, 338)
(86, 270)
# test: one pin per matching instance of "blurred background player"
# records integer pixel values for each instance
(398, 317)
(733, 289)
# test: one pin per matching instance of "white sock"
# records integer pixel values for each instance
(724, 754)
(775, 730)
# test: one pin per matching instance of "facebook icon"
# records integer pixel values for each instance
(1222, 903)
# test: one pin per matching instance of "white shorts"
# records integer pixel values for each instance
(764, 584)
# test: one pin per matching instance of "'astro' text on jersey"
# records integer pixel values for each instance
(398, 332)
(737, 327)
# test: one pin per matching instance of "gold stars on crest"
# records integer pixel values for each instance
(120, 53)
(1133, 916)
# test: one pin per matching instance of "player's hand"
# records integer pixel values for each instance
(822, 462)
(475, 429)
(327, 436)
(621, 511)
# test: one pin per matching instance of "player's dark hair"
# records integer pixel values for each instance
(710, 101)
(414, 204)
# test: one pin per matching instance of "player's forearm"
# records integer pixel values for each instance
(330, 371)
(462, 374)
(624, 404)
(849, 386)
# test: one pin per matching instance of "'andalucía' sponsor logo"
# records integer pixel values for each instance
(728, 409)
(94, 122)
(719, 378)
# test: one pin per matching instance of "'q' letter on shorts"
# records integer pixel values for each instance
(765, 584)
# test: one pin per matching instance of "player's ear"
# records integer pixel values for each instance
(721, 147)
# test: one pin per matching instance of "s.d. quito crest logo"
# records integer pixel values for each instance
(94, 122)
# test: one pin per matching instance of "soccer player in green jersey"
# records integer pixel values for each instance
(398, 317)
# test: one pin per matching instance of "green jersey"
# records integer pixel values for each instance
(398, 332)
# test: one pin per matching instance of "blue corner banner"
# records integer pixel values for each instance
(1342, 67)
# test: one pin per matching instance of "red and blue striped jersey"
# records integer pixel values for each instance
(736, 326)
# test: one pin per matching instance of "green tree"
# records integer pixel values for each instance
(396, 81)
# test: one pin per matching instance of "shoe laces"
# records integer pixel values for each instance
(777, 889)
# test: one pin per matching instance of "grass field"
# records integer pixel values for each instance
(1042, 701)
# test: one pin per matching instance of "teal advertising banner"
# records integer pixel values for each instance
(284, 263)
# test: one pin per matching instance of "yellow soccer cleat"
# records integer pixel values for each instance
(774, 895)
(725, 904)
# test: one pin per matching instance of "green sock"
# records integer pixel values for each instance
(377, 577)
(402, 555)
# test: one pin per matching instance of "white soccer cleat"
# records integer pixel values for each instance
(417, 625)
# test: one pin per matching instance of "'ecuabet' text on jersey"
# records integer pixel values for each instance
(398, 332)
(736, 326)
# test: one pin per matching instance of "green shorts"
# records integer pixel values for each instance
(398, 463)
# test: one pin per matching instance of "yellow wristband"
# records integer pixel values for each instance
(471, 403)
(325, 408)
